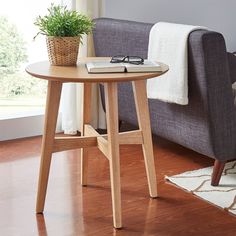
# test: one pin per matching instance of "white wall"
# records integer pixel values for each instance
(21, 127)
(218, 15)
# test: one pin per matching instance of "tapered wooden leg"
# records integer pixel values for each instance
(113, 150)
(141, 102)
(53, 100)
(217, 172)
(86, 119)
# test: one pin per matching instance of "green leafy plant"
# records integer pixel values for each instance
(61, 22)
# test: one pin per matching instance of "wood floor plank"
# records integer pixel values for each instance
(73, 210)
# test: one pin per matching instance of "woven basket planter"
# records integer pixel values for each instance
(63, 51)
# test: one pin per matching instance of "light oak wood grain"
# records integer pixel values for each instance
(86, 119)
(68, 143)
(125, 138)
(92, 139)
(44, 70)
(102, 142)
(141, 102)
(113, 150)
(131, 137)
(108, 144)
(52, 106)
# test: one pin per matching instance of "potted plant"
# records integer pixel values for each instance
(64, 29)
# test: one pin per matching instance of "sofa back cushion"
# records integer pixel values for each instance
(128, 38)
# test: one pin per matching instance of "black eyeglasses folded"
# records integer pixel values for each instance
(127, 59)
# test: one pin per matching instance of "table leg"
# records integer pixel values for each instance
(113, 150)
(53, 100)
(86, 119)
(141, 102)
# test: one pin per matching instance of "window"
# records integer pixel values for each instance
(21, 96)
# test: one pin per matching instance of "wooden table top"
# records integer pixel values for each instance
(79, 73)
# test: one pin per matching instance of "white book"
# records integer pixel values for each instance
(107, 67)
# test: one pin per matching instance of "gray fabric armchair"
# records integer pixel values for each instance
(208, 123)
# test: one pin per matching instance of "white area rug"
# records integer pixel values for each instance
(199, 183)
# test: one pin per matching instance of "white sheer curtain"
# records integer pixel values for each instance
(71, 93)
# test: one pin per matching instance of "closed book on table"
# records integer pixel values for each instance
(107, 67)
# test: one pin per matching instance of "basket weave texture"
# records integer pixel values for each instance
(63, 51)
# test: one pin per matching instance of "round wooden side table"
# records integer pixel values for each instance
(108, 144)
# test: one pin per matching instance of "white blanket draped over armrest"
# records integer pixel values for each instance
(168, 43)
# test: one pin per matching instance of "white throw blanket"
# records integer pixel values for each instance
(168, 43)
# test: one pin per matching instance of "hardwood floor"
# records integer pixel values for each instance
(73, 210)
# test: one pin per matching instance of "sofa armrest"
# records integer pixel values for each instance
(216, 89)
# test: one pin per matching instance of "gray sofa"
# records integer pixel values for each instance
(208, 123)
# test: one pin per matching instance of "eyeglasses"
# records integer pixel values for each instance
(127, 59)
